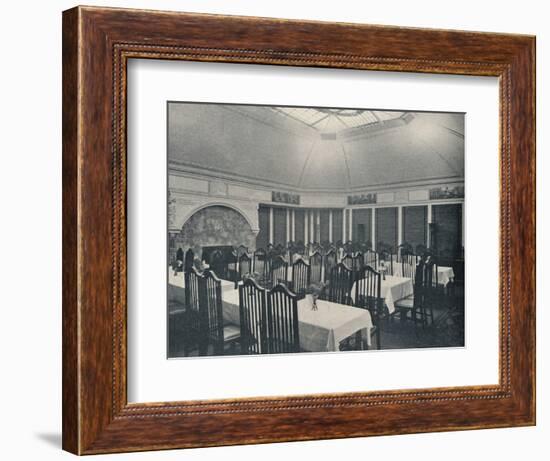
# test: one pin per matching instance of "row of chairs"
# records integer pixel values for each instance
(341, 279)
(240, 261)
(262, 263)
(427, 294)
(268, 318)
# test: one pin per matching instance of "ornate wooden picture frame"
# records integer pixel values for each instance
(97, 44)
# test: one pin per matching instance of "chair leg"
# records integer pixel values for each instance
(359, 341)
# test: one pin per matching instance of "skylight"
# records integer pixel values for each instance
(327, 120)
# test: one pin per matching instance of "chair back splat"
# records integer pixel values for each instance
(341, 280)
(357, 262)
(279, 271)
(331, 259)
(218, 264)
(193, 326)
(252, 312)
(409, 264)
(301, 277)
(348, 261)
(211, 310)
(367, 296)
(245, 265)
(282, 321)
(370, 258)
(316, 263)
(262, 264)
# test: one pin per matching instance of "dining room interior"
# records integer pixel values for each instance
(312, 229)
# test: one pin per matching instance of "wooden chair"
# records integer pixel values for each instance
(291, 251)
(409, 263)
(316, 263)
(192, 323)
(252, 313)
(370, 258)
(279, 271)
(410, 305)
(434, 276)
(279, 249)
(367, 296)
(404, 249)
(241, 250)
(189, 259)
(177, 263)
(330, 262)
(420, 305)
(357, 262)
(430, 293)
(244, 267)
(301, 277)
(282, 321)
(387, 260)
(348, 260)
(261, 262)
(211, 313)
(218, 264)
(348, 247)
(420, 249)
(363, 247)
(341, 280)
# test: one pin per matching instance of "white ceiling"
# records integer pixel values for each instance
(316, 149)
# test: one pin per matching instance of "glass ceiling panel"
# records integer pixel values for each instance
(322, 119)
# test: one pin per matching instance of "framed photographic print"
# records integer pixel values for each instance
(281, 230)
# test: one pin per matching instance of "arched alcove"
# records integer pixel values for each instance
(215, 225)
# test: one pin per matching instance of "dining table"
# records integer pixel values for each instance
(321, 329)
(445, 274)
(392, 289)
(176, 286)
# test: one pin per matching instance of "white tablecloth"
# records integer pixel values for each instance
(392, 289)
(321, 330)
(176, 286)
(444, 273)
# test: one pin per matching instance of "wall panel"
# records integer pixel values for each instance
(386, 226)
(362, 225)
(337, 225)
(279, 226)
(415, 225)
(263, 219)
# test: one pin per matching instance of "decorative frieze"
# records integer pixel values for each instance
(442, 193)
(362, 199)
(285, 197)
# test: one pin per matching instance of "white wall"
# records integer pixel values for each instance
(191, 192)
(30, 268)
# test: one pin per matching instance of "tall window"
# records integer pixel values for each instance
(415, 225)
(386, 226)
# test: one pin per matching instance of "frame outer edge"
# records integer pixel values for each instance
(70, 178)
(91, 422)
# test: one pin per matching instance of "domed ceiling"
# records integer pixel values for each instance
(314, 149)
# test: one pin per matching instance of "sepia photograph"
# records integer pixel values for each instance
(313, 229)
